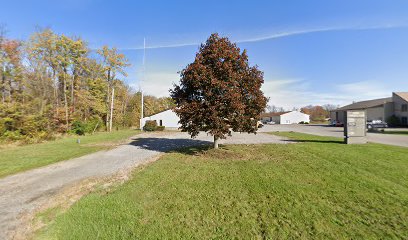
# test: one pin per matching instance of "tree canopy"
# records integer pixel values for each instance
(53, 84)
(219, 92)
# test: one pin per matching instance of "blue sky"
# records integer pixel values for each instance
(312, 52)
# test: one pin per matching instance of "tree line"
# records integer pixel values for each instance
(54, 84)
(317, 113)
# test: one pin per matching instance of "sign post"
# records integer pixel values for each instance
(355, 128)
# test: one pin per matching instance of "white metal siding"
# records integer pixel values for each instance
(169, 119)
(294, 117)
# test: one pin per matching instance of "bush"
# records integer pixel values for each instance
(25, 128)
(12, 136)
(150, 125)
(160, 128)
(94, 123)
(78, 127)
(393, 121)
(81, 127)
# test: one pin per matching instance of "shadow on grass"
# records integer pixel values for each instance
(185, 146)
(195, 150)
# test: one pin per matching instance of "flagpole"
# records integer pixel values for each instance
(143, 78)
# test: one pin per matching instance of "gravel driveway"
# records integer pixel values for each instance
(22, 194)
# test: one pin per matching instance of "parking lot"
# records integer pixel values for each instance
(323, 130)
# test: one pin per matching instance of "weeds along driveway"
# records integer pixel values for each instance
(22, 194)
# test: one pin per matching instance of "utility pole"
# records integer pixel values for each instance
(111, 110)
(143, 78)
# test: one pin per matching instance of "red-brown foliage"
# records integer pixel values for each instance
(219, 91)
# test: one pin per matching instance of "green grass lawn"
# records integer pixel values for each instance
(318, 188)
(16, 159)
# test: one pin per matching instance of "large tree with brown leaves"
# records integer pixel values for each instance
(219, 92)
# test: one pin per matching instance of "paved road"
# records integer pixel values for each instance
(23, 193)
(389, 139)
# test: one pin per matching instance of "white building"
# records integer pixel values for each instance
(167, 118)
(292, 117)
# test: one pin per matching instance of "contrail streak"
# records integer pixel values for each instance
(275, 36)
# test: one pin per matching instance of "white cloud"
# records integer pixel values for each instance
(298, 93)
(286, 93)
(277, 35)
(365, 89)
(157, 83)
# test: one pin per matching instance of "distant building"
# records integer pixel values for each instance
(378, 109)
(167, 118)
(292, 117)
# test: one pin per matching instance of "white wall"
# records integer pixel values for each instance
(294, 117)
(376, 113)
(169, 119)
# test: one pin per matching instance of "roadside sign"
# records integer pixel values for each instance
(355, 127)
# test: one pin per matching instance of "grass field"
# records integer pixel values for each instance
(16, 159)
(318, 188)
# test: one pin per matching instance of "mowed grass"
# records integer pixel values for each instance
(16, 159)
(318, 188)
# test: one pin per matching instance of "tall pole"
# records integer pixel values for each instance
(111, 110)
(143, 78)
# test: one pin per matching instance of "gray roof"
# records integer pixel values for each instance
(366, 104)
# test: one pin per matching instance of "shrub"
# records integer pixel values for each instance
(12, 136)
(8, 124)
(82, 127)
(160, 128)
(94, 123)
(393, 121)
(25, 128)
(150, 125)
(78, 127)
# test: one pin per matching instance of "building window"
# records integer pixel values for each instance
(404, 121)
(161, 122)
(404, 107)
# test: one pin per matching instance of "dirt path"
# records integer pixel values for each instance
(22, 194)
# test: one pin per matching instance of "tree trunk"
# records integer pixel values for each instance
(216, 140)
(56, 95)
(3, 85)
(111, 110)
(72, 94)
(107, 101)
